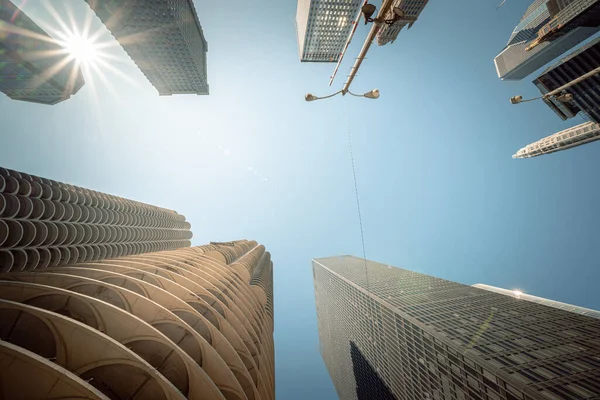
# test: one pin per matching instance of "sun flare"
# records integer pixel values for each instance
(82, 49)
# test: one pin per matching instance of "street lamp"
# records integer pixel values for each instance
(373, 94)
(558, 93)
(399, 15)
(563, 98)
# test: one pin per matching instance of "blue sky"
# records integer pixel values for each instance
(440, 193)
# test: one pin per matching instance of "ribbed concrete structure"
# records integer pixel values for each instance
(192, 323)
(44, 223)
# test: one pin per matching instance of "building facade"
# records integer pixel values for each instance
(163, 38)
(323, 27)
(548, 29)
(33, 66)
(191, 323)
(563, 140)
(44, 223)
(550, 303)
(586, 93)
(412, 10)
(390, 333)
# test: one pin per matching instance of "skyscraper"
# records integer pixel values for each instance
(323, 27)
(548, 29)
(411, 8)
(390, 333)
(585, 91)
(44, 223)
(550, 303)
(33, 67)
(163, 37)
(193, 323)
(563, 140)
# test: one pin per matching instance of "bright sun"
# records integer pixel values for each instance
(82, 49)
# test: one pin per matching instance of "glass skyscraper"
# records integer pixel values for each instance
(163, 37)
(586, 93)
(323, 27)
(551, 303)
(390, 333)
(547, 29)
(411, 8)
(33, 66)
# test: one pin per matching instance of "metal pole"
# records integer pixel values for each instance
(573, 82)
(363, 52)
(346, 46)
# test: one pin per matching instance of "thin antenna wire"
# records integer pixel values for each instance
(362, 233)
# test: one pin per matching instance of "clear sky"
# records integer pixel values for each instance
(440, 193)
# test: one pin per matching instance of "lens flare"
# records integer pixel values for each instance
(82, 49)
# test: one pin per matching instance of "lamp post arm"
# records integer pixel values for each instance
(573, 82)
(326, 97)
(357, 95)
(535, 98)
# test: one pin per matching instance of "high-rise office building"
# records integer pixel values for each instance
(548, 29)
(563, 140)
(192, 323)
(550, 303)
(411, 9)
(323, 27)
(44, 223)
(585, 92)
(33, 66)
(163, 37)
(389, 333)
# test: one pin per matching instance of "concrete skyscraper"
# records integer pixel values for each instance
(33, 66)
(323, 27)
(563, 140)
(389, 333)
(548, 29)
(44, 223)
(192, 323)
(411, 8)
(102, 297)
(163, 37)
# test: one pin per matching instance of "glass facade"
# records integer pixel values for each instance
(164, 38)
(551, 303)
(586, 94)
(33, 67)
(412, 9)
(427, 338)
(323, 27)
(548, 29)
